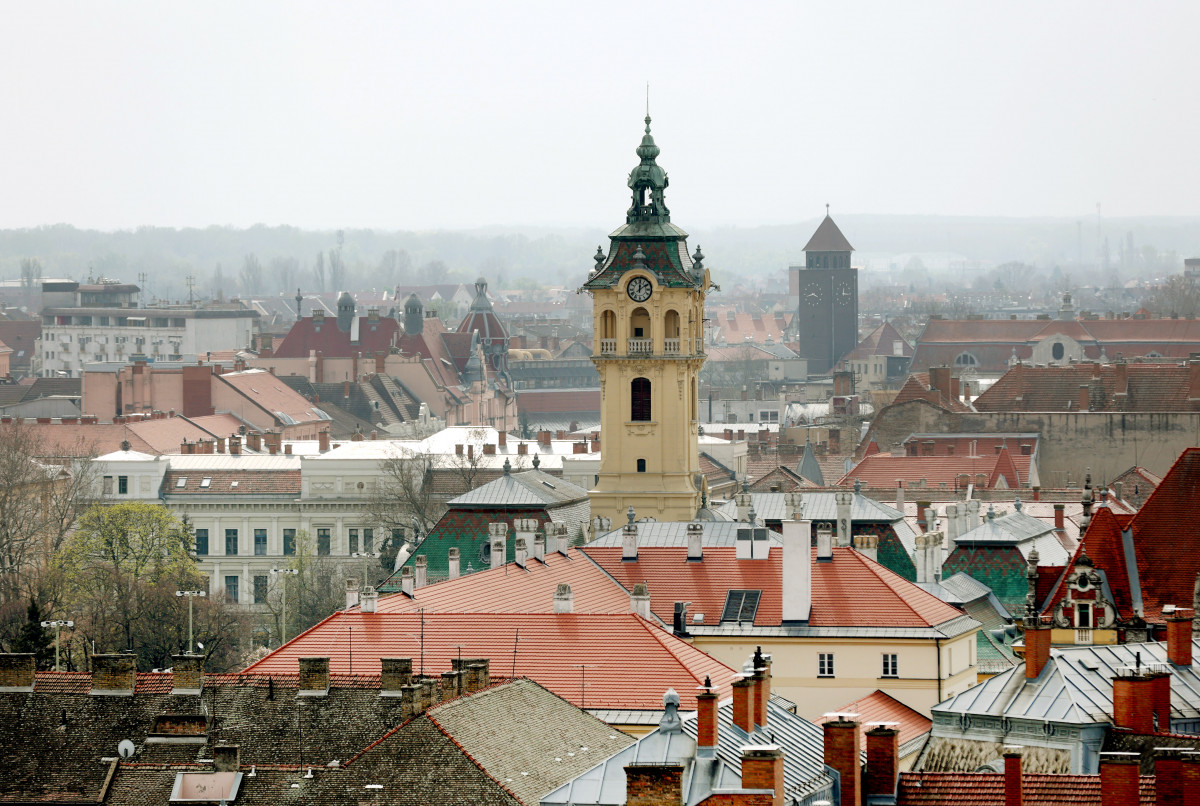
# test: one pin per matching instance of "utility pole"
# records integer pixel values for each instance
(191, 596)
(283, 604)
(57, 625)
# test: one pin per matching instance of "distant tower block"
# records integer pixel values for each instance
(827, 304)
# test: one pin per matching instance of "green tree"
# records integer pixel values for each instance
(34, 638)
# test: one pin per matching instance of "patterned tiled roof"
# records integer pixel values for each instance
(987, 789)
(629, 661)
(837, 587)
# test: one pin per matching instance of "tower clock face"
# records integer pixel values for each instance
(639, 289)
(844, 293)
(811, 294)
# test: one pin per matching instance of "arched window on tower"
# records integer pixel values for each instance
(639, 408)
(671, 332)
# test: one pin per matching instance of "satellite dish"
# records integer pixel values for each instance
(200, 646)
(125, 748)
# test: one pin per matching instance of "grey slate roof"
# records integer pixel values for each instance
(809, 468)
(1024, 531)
(674, 534)
(828, 238)
(822, 507)
(805, 774)
(1075, 686)
(527, 488)
(962, 588)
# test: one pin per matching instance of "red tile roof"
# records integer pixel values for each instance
(917, 387)
(547, 401)
(880, 341)
(222, 482)
(592, 660)
(882, 469)
(147, 436)
(1146, 387)
(735, 326)
(270, 394)
(987, 789)
(880, 707)
(838, 587)
(334, 343)
(512, 589)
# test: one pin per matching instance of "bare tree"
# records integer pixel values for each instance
(286, 271)
(319, 271)
(31, 271)
(1178, 296)
(306, 596)
(251, 275)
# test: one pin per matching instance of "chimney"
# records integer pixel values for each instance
(556, 535)
(369, 603)
(1119, 779)
(226, 757)
(1037, 647)
(564, 600)
(522, 448)
(743, 697)
(17, 671)
(1168, 776)
(921, 558)
(939, 380)
(406, 580)
(654, 784)
(314, 677)
(351, 592)
(395, 673)
(762, 685)
(453, 562)
(254, 441)
(489, 449)
(521, 552)
(706, 719)
(972, 510)
(629, 541)
(824, 544)
(525, 529)
(883, 759)
(1014, 784)
(323, 441)
(639, 600)
(762, 768)
(868, 546)
(844, 499)
(502, 439)
(1179, 636)
(420, 572)
(952, 522)
(1134, 702)
(695, 542)
(797, 570)
(900, 494)
(539, 547)
(114, 675)
(842, 753)
(287, 449)
(1193, 380)
(497, 534)
(220, 444)
(1083, 399)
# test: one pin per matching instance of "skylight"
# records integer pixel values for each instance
(181, 481)
(205, 482)
(741, 606)
(233, 484)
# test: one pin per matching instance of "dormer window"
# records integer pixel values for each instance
(741, 606)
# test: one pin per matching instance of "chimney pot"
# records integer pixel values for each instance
(564, 600)
(454, 562)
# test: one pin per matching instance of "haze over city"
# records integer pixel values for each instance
(459, 115)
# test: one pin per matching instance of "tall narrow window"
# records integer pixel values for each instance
(201, 542)
(260, 542)
(639, 390)
(231, 588)
(260, 590)
(353, 535)
(641, 465)
(289, 541)
(323, 542)
(231, 541)
(368, 540)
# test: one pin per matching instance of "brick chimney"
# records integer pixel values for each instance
(502, 439)
(1037, 648)
(17, 671)
(187, 674)
(226, 757)
(1168, 776)
(883, 759)
(939, 380)
(1084, 398)
(314, 677)
(114, 674)
(743, 695)
(639, 600)
(1193, 380)
(1119, 779)
(706, 717)
(564, 600)
(1190, 772)
(1179, 636)
(454, 563)
(395, 673)
(762, 768)
(654, 784)
(1134, 705)
(842, 753)
(1014, 785)
(762, 686)
(323, 441)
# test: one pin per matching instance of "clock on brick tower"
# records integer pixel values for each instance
(648, 317)
(827, 307)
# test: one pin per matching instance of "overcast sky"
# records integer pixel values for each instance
(447, 115)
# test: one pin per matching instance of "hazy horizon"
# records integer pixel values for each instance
(406, 117)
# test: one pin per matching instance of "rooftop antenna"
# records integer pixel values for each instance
(647, 99)
(190, 281)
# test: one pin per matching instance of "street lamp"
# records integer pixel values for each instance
(365, 556)
(191, 596)
(283, 604)
(57, 625)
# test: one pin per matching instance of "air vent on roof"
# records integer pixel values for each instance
(741, 606)
(548, 484)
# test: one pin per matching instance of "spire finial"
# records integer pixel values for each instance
(826, 209)
(647, 107)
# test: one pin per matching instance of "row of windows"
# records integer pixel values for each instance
(259, 587)
(110, 321)
(357, 540)
(890, 666)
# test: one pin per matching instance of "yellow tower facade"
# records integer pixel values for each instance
(648, 325)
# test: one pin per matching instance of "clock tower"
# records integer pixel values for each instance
(827, 324)
(648, 321)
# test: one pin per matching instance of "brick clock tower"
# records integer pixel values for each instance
(648, 320)
(828, 304)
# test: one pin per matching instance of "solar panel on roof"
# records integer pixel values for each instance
(741, 606)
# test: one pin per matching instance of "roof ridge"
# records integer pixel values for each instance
(472, 758)
(876, 569)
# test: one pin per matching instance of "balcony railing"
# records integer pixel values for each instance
(699, 345)
(608, 346)
(1083, 636)
(671, 346)
(641, 346)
